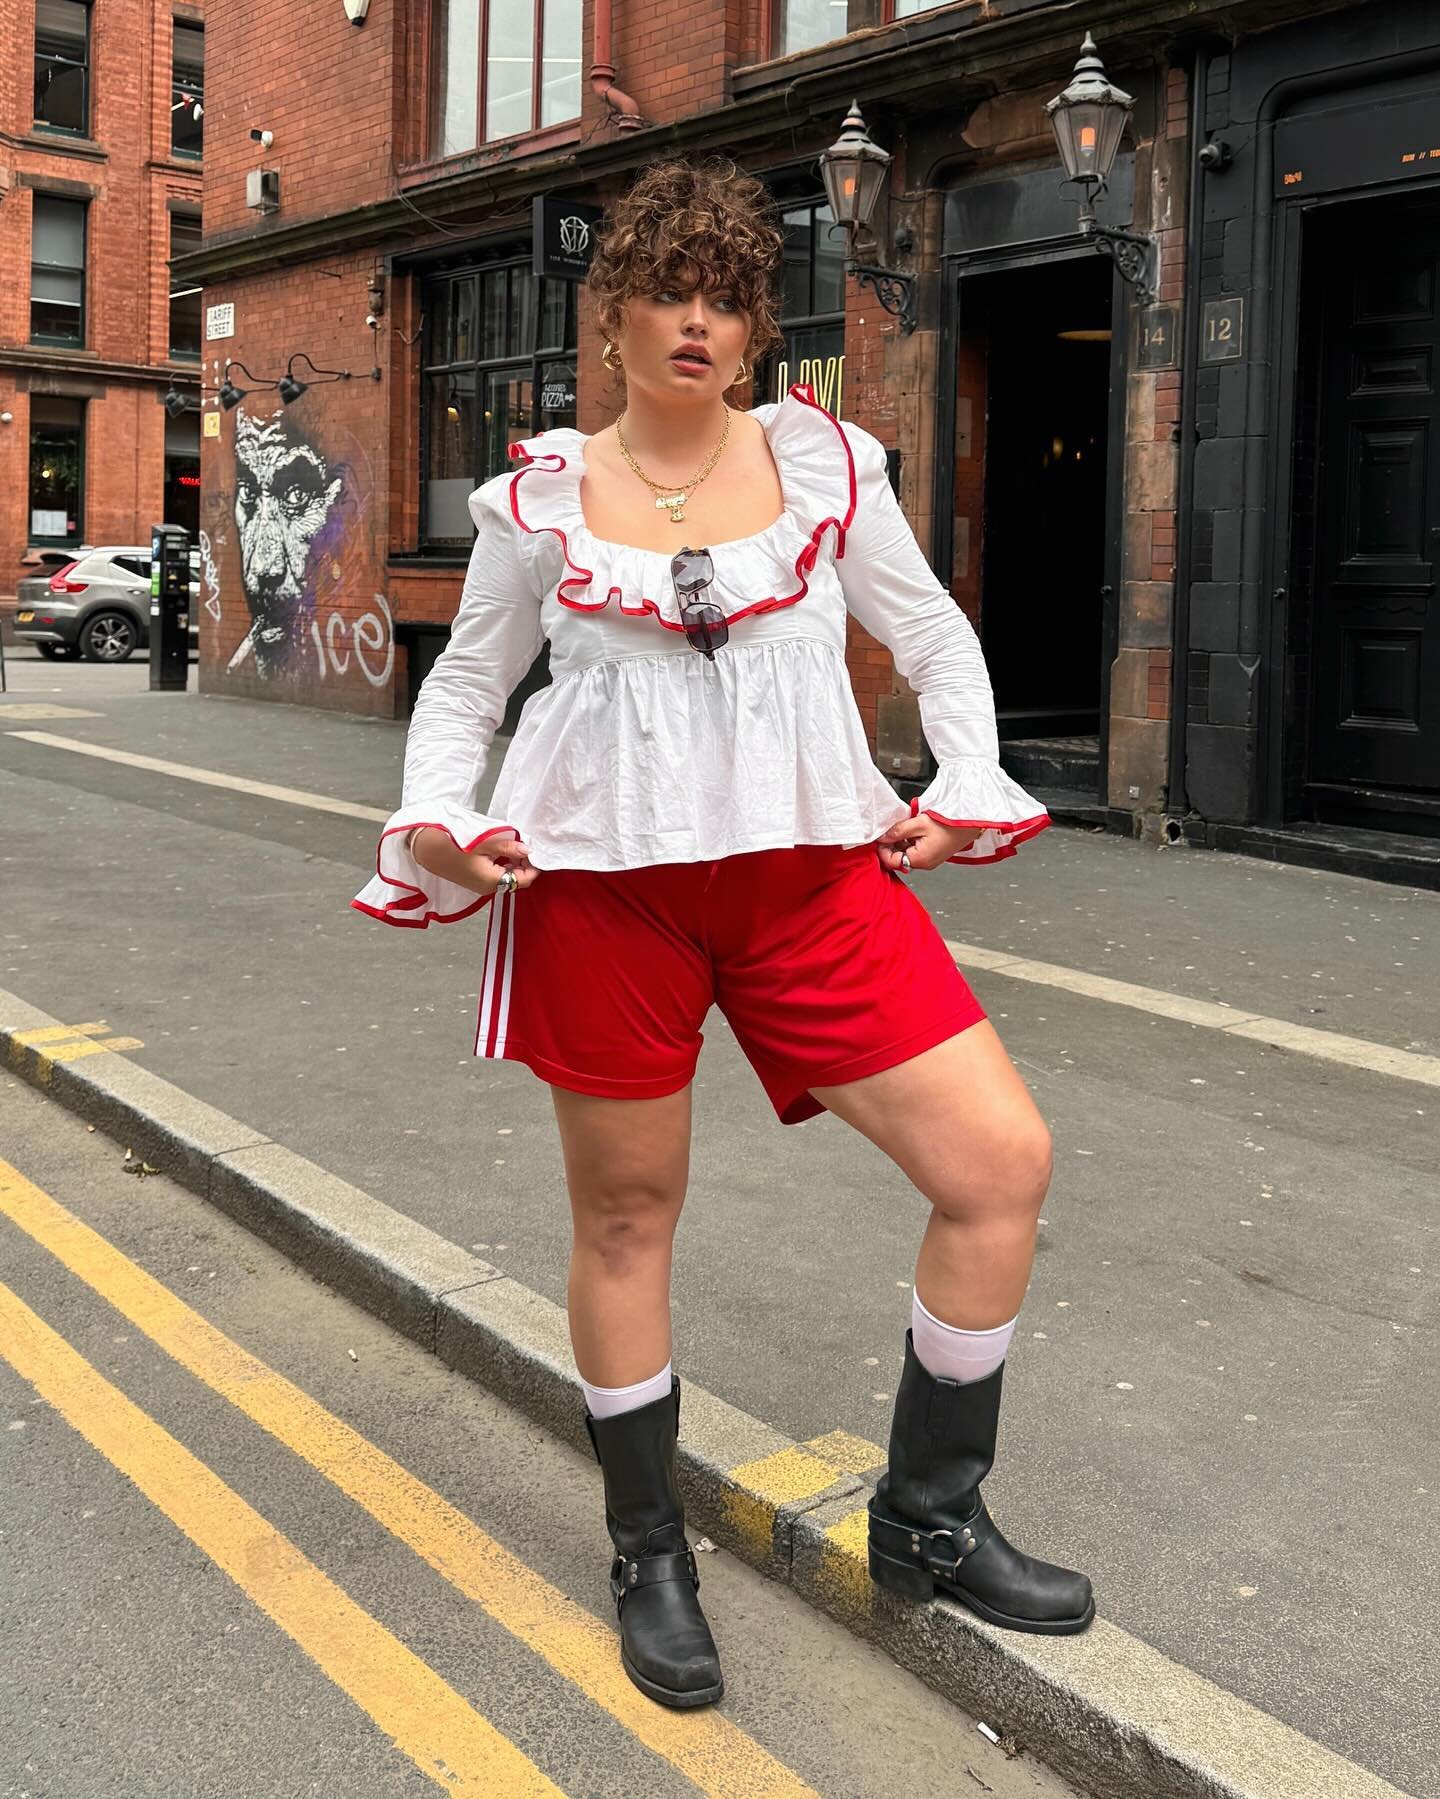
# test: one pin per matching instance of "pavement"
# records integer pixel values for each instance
(1215, 1401)
(221, 1479)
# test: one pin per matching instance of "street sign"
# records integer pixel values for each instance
(219, 321)
(563, 236)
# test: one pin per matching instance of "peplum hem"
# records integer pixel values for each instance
(401, 892)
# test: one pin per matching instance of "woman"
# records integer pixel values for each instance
(689, 814)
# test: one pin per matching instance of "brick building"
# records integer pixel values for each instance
(101, 120)
(1130, 501)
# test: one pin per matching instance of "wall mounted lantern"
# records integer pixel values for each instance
(854, 170)
(230, 395)
(1088, 120)
(291, 388)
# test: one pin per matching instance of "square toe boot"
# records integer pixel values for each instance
(929, 1528)
(665, 1644)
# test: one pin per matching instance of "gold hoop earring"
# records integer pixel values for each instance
(742, 371)
(610, 356)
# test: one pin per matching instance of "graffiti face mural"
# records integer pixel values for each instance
(284, 495)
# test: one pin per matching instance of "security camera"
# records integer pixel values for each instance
(1215, 155)
(372, 321)
(263, 138)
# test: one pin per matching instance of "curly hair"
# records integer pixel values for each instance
(707, 221)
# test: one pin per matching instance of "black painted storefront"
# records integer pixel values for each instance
(1308, 609)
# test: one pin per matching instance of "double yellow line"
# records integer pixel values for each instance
(424, 1716)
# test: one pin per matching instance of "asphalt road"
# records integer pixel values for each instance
(256, 1544)
(1219, 1402)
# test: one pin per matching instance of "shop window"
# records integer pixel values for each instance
(502, 67)
(812, 308)
(57, 470)
(187, 97)
(185, 301)
(499, 365)
(57, 271)
(62, 66)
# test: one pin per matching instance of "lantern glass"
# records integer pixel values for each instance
(853, 170)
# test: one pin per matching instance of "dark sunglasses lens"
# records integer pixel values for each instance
(705, 627)
(691, 570)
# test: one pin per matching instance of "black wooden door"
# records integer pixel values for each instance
(1375, 699)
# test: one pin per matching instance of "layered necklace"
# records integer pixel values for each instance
(675, 502)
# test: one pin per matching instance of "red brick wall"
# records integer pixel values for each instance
(316, 512)
(326, 89)
(129, 189)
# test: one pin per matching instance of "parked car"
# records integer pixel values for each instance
(95, 604)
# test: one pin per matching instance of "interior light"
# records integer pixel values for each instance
(1086, 335)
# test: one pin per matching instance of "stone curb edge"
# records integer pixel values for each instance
(1104, 1709)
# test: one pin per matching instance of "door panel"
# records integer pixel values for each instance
(1376, 681)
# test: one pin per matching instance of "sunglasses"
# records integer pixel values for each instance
(692, 572)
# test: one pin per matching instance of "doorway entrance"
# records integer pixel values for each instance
(1371, 287)
(1030, 498)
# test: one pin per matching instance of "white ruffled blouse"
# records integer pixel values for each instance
(641, 750)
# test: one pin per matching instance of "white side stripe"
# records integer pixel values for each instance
(506, 983)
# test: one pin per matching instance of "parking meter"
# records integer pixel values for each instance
(169, 607)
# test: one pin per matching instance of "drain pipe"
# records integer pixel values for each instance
(623, 111)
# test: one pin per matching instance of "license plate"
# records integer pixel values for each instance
(23, 618)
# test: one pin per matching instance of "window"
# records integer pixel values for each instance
(812, 307)
(62, 66)
(57, 271)
(57, 466)
(486, 56)
(184, 300)
(805, 24)
(499, 365)
(187, 98)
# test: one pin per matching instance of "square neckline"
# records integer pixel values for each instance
(786, 514)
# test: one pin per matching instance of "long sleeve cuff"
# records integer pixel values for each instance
(401, 891)
(975, 791)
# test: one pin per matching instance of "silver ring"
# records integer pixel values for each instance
(509, 881)
(905, 862)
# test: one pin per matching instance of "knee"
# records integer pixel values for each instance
(1007, 1183)
(627, 1225)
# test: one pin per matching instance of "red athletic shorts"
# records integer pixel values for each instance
(825, 964)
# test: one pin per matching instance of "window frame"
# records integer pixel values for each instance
(182, 152)
(530, 364)
(171, 353)
(38, 124)
(797, 200)
(438, 62)
(861, 15)
(82, 431)
(42, 196)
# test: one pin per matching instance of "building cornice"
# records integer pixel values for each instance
(34, 359)
(940, 58)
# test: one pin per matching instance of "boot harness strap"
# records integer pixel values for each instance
(941, 1551)
(646, 1570)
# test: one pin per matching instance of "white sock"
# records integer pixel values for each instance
(605, 1402)
(950, 1353)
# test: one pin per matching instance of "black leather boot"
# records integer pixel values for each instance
(665, 1643)
(929, 1527)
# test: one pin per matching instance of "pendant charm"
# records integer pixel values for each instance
(676, 504)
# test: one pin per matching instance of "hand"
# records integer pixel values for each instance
(927, 843)
(481, 870)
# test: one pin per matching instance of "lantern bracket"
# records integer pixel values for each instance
(1134, 253)
(894, 291)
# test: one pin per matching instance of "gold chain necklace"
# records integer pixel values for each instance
(674, 501)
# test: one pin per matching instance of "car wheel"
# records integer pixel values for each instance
(108, 637)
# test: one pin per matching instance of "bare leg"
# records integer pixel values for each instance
(627, 1162)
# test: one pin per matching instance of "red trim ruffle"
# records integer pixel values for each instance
(417, 895)
(581, 577)
(1018, 831)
